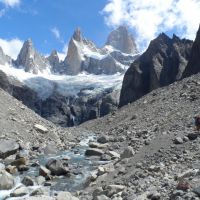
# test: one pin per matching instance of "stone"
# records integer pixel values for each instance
(97, 145)
(94, 152)
(28, 181)
(50, 149)
(102, 197)
(6, 181)
(103, 139)
(8, 147)
(197, 191)
(113, 154)
(11, 169)
(19, 192)
(43, 171)
(178, 140)
(193, 136)
(127, 153)
(20, 161)
(114, 189)
(40, 128)
(56, 167)
(40, 180)
(65, 196)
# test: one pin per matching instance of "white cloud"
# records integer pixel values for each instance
(2, 12)
(148, 18)
(10, 3)
(56, 33)
(11, 47)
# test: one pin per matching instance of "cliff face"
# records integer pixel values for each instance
(163, 63)
(193, 66)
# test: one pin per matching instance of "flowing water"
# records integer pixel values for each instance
(80, 166)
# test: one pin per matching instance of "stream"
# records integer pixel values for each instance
(80, 167)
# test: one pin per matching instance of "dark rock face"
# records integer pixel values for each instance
(19, 91)
(31, 60)
(163, 63)
(70, 111)
(193, 66)
(121, 40)
(54, 61)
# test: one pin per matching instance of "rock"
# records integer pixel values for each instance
(154, 196)
(102, 197)
(197, 191)
(113, 154)
(56, 167)
(127, 153)
(40, 128)
(65, 196)
(37, 192)
(11, 169)
(43, 171)
(23, 168)
(183, 185)
(97, 145)
(19, 192)
(20, 161)
(28, 181)
(178, 140)
(101, 171)
(2, 167)
(93, 152)
(120, 39)
(6, 181)
(114, 189)
(8, 147)
(40, 180)
(103, 139)
(193, 136)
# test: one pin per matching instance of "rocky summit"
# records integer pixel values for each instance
(161, 64)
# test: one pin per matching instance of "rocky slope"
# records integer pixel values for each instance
(162, 155)
(161, 64)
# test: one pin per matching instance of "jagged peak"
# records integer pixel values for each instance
(54, 53)
(77, 35)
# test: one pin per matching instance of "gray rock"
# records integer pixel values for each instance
(103, 139)
(65, 196)
(56, 167)
(19, 192)
(4, 58)
(28, 181)
(94, 152)
(178, 140)
(120, 39)
(127, 153)
(114, 189)
(31, 60)
(40, 128)
(6, 181)
(8, 147)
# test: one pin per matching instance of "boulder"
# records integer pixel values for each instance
(8, 147)
(18, 162)
(66, 196)
(28, 181)
(94, 152)
(11, 169)
(103, 139)
(6, 181)
(114, 189)
(40, 128)
(127, 153)
(19, 192)
(56, 167)
(43, 171)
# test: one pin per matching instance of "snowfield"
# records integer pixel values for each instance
(46, 84)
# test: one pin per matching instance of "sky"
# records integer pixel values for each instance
(50, 24)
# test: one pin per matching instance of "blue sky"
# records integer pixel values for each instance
(50, 23)
(36, 19)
